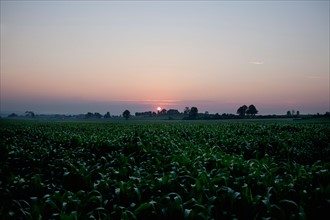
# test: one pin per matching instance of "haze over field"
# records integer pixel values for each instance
(79, 56)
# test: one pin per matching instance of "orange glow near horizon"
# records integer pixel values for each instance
(196, 57)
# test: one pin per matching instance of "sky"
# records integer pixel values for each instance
(71, 57)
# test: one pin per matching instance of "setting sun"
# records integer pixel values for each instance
(159, 109)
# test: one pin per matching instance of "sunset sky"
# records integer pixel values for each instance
(77, 56)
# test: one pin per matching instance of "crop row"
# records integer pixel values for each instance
(164, 170)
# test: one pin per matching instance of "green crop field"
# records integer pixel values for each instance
(164, 170)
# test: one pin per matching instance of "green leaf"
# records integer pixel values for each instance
(138, 193)
(289, 204)
(143, 207)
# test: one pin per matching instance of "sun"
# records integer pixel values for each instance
(159, 109)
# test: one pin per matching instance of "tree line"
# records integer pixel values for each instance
(189, 113)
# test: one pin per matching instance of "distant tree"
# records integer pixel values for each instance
(251, 110)
(143, 114)
(163, 111)
(229, 116)
(242, 110)
(206, 115)
(186, 110)
(89, 115)
(173, 112)
(126, 114)
(217, 116)
(30, 114)
(298, 113)
(97, 115)
(107, 115)
(12, 115)
(288, 113)
(193, 113)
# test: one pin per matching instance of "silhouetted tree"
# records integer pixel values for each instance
(12, 115)
(97, 115)
(89, 115)
(144, 114)
(288, 113)
(107, 115)
(298, 113)
(193, 113)
(163, 111)
(251, 110)
(186, 110)
(206, 115)
(30, 114)
(173, 112)
(242, 110)
(126, 114)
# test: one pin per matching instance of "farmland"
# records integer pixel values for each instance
(164, 170)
